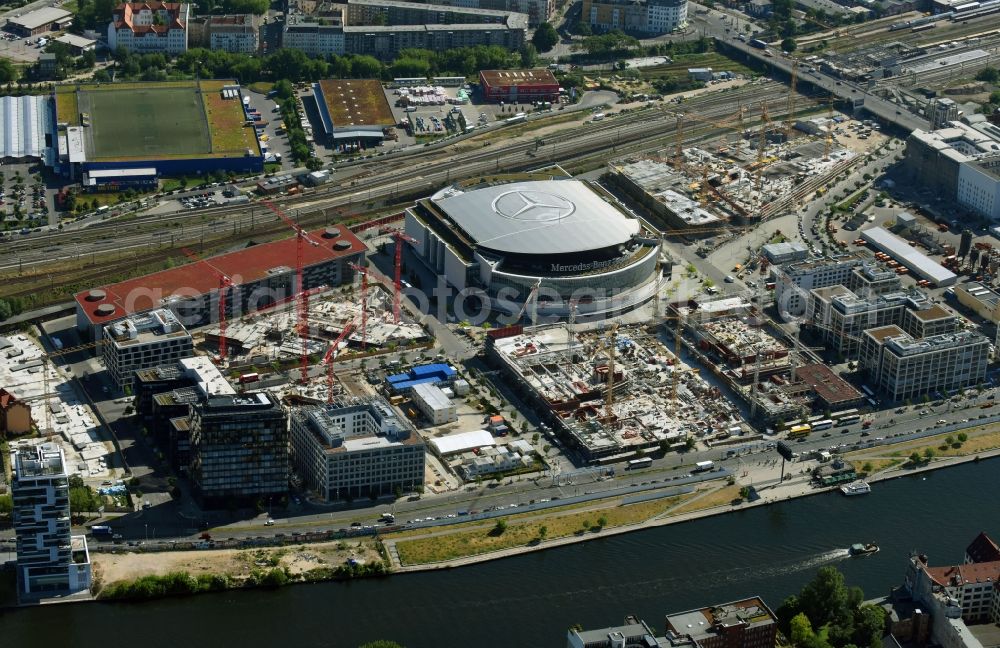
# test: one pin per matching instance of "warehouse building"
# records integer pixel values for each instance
(459, 442)
(141, 342)
(357, 448)
(39, 21)
(115, 180)
(261, 275)
(519, 86)
(434, 404)
(28, 128)
(977, 297)
(917, 262)
(902, 367)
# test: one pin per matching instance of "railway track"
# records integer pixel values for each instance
(632, 132)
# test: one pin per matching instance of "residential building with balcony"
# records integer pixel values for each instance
(49, 560)
(150, 27)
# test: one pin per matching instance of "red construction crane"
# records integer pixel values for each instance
(302, 325)
(225, 283)
(364, 303)
(400, 236)
(328, 357)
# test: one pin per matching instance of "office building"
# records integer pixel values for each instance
(239, 448)
(928, 321)
(957, 162)
(634, 632)
(839, 316)
(164, 396)
(793, 281)
(314, 37)
(356, 448)
(433, 403)
(150, 27)
(785, 252)
(141, 342)
(49, 560)
(538, 11)
(642, 17)
(262, 275)
(901, 367)
(741, 624)
(940, 111)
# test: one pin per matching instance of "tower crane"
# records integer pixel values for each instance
(330, 355)
(400, 236)
(302, 324)
(533, 295)
(364, 303)
(610, 347)
(225, 283)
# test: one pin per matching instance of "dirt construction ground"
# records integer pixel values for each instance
(237, 563)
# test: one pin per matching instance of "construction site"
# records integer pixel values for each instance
(744, 177)
(53, 407)
(613, 394)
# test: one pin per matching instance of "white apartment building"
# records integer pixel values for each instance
(356, 448)
(238, 34)
(141, 342)
(433, 403)
(49, 559)
(150, 27)
(902, 367)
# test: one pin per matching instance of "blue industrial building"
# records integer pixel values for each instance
(428, 373)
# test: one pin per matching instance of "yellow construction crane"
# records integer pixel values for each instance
(790, 116)
(609, 348)
(761, 145)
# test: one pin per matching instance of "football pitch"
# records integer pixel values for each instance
(145, 123)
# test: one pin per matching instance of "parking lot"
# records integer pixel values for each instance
(27, 201)
(20, 50)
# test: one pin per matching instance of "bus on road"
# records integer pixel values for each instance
(849, 420)
(645, 462)
(798, 431)
(825, 424)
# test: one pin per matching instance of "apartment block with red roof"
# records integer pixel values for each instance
(150, 27)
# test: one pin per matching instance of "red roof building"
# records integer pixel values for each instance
(970, 586)
(148, 27)
(982, 549)
(15, 415)
(260, 275)
(519, 86)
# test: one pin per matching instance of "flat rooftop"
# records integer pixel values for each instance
(39, 17)
(194, 279)
(520, 78)
(147, 327)
(828, 386)
(356, 102)
(705, 622)
(43, 460)
(901, 251)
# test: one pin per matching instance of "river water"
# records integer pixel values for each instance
(530, 600)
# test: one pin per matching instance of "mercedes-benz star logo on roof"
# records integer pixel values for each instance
(534, 206)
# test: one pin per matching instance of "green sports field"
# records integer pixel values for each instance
(145, 122)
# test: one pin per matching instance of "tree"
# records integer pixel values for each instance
(381, 643)
(7, 505)
(5, 310)
(582, 28)
(962, 437)
(915, 458)
(989, 75)
(867, 468)
(602, 522)
(929, 454)
(545, 37)
(500, 527)
(789, 45)
(8, 73)
(542, 532)
(529, 55)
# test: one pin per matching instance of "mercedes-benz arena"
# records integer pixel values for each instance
(559, 234)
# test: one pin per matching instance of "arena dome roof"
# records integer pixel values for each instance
(541, 217)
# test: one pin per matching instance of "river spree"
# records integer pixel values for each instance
(530, 600)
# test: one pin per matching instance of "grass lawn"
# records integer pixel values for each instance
(482, 539)
(878, 463)
(66, 107)
(980, 439)
(262, 87)
(142, 122)
(721, 497)
(226, 121)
